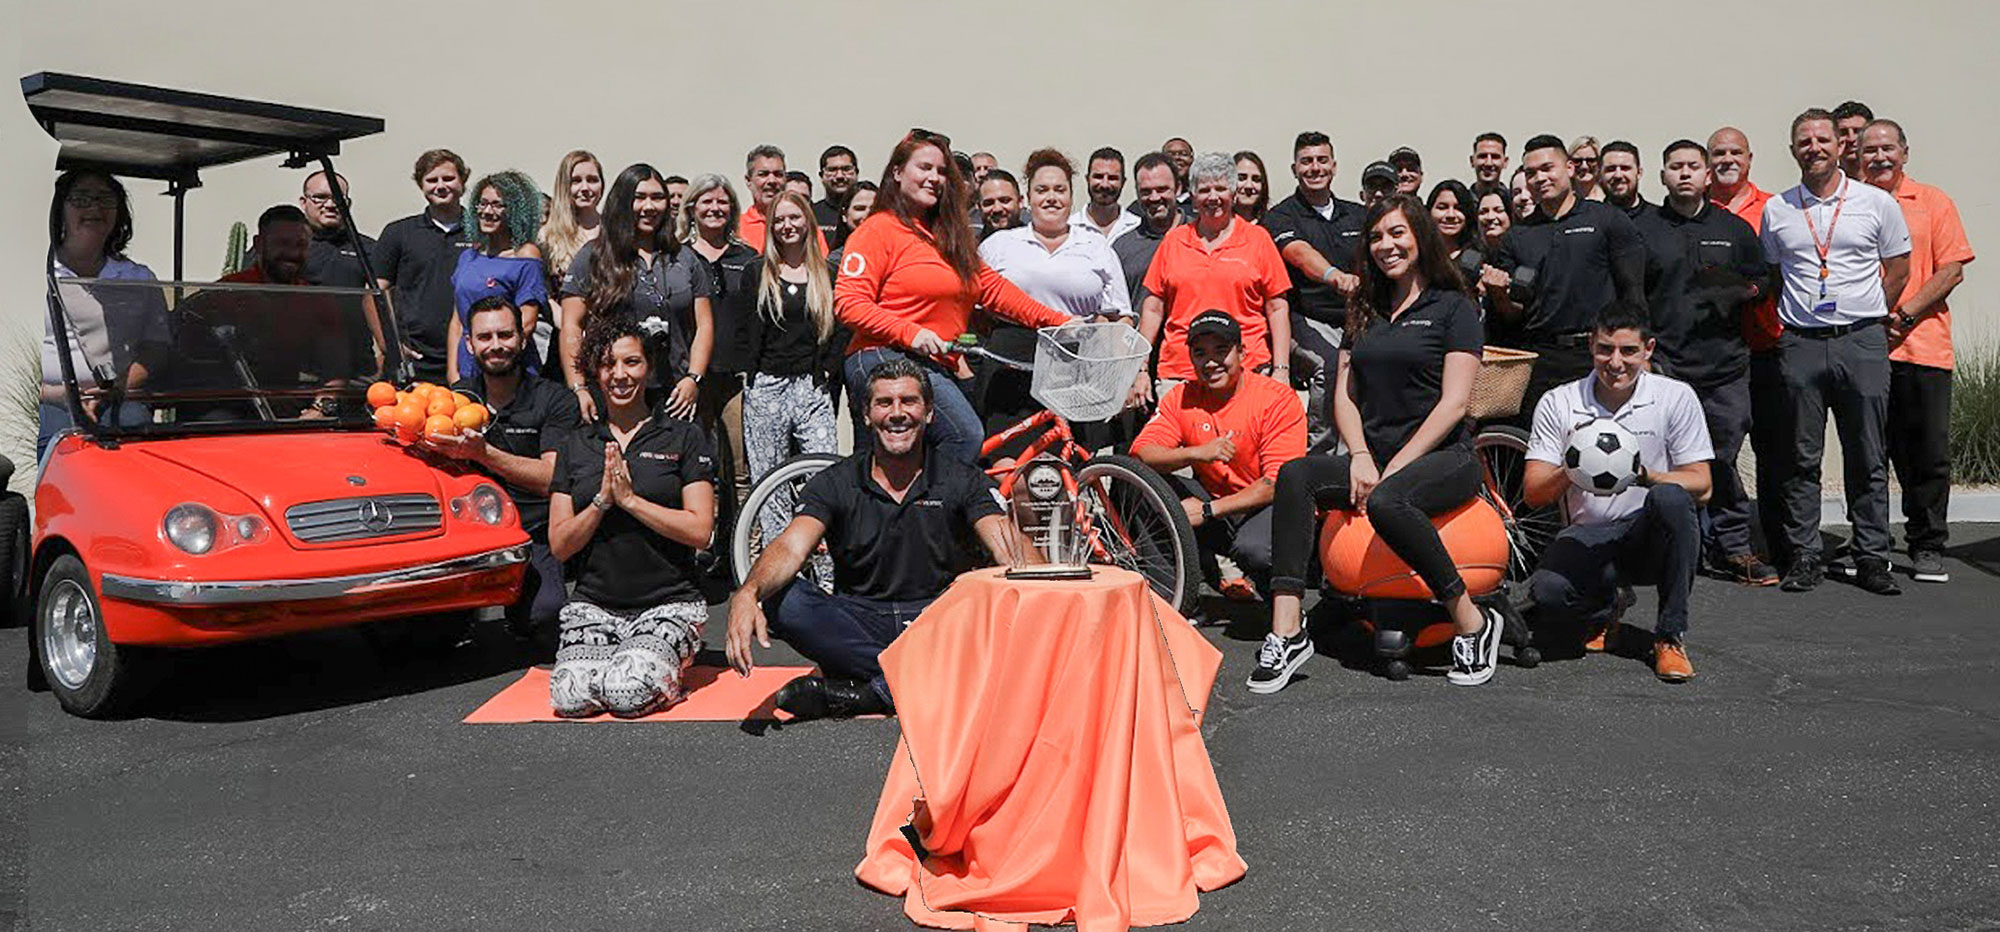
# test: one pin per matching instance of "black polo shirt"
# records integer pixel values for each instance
(662, 300)
(904, 551)
(727, 272)
(416, 256)
(1135, 255)
(332, 260)
(539, 419)
(1337, 238)
(1639, 206)
(627, 566)
(827, 214)
(1583, 261)
(1397, 367)
(1702, 273)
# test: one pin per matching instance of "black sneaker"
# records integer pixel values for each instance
(1872, 575)
(810, 697)
(1805, 575)
(1278, 660)
(1473, 656)
(1928, 566)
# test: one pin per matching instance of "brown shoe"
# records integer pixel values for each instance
(1747, 569)
(1670, 662)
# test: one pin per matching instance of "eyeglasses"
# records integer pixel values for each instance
(1583, 161)
(87, 201)
(319, 198)
(495, 206)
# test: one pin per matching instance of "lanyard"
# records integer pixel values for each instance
(1826, 247)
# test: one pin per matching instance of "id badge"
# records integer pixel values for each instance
(1825, 309)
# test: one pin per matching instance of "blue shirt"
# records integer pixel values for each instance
(477, 275)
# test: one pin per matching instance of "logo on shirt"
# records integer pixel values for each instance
(1575, 230)
(852, 265)
(1717, 242)
(1418, 322)
(650, 455)
(928, 503)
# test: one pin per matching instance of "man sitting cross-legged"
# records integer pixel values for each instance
(900, 525)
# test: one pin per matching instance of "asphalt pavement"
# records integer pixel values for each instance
(1833, 767)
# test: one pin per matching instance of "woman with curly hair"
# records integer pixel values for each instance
(506, 262)
(631, 501)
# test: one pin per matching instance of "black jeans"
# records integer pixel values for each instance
(1920, 449)
(843, 634)
(1849, 376)
(1245, 538)
(1400, 509)
(1658, 545)
(1725, 522)
(1771, 442)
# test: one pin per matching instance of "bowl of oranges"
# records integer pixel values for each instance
(425, 411)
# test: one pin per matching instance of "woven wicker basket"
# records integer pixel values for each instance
(1501, 383)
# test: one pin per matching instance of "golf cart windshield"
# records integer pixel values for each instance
(162, 358)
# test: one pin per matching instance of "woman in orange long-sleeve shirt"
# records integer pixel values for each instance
(909, 277)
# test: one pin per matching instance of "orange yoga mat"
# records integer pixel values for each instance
(715, 694)
(1052, 764)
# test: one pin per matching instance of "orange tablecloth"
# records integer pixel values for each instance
(1052, 760)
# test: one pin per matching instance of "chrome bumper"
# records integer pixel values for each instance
(132, 589)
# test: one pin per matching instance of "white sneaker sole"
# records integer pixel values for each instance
(1285, 674)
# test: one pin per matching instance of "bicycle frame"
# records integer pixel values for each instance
(1060, 442)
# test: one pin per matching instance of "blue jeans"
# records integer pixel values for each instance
(843, 634)
(955, 430)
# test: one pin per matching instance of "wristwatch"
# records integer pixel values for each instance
(696, 376)
(1208, 511)
(327, 406)
(601, 502)
(1904, 320)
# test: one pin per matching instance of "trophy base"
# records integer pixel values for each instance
(1048, 571)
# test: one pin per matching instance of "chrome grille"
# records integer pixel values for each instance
(364, 518)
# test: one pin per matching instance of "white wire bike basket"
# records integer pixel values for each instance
(1085, 371)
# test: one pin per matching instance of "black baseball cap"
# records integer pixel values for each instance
(1406, 154)
(1381, 172)
(1215, 322)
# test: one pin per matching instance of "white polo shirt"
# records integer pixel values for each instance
(1869, 229)
(1663, 413)
(1127, 222)
(1082, 277)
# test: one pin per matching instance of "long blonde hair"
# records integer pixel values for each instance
(560, 237)
(819, 284)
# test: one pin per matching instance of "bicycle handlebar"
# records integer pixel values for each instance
(973, 349)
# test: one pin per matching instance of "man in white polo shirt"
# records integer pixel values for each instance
(1647, 534)
(1838, 244)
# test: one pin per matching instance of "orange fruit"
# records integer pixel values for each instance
(402, 397)
(470, 416)
(422, 388)
(461, 399)
(441, 403)
(381, 395)
(385, 418)
(409, 419)
(440, 425)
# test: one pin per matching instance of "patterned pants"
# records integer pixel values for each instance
(778, 413)
(627, 663)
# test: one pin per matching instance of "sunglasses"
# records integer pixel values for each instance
(923, 135)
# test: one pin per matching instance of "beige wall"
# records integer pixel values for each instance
(690, 86)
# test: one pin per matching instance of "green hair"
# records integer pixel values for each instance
(523, 200)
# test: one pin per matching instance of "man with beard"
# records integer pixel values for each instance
(1319, 236)
(999, 202)
(764, 176)
(1104, 180)
(899, 523)
(1842, 248)
(1849, 119)
(530, 420)
(838, 173)
(1920, 357)
(1704, 269)
(414, 256)
(1158, 205)
(277, 337)
(1618, 175)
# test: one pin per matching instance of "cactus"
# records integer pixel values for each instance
(235, 256)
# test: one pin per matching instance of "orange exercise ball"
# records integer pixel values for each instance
(1357, 563)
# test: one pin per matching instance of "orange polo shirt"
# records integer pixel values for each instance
(1269, 423)
(1240, 276)
(751, 229)
(1760, 320)
(1937, 238)
(894, 282)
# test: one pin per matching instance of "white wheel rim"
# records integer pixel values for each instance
(69, 639)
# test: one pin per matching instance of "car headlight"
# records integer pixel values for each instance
(192, 527)
(487, 504)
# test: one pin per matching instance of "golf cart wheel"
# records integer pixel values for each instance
(13, 559)
(1527, 657)
(91, 677)
(1396, 669)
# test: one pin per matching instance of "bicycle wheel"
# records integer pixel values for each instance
(776, 496)
(1140, 525)
(1503, 457)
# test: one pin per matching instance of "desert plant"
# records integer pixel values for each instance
(1975, 417)
(233, 255)
(24, 382)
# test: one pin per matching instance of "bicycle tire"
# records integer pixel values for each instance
(1174, 573)
(745, 544)
(1503, 455)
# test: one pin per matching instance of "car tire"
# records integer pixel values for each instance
(91, 677)
(13, 560)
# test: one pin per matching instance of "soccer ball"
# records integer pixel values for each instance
(1602, 457)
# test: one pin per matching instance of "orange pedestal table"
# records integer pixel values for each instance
(1051, 764)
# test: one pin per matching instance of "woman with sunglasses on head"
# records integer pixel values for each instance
(909, 277)
(635, 268)
(709, 214)
(573, 217)
(1404, 378)
(506, 209)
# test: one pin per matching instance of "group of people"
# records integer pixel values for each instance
(640, 337)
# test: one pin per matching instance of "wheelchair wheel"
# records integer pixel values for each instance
(1140, 526)
(776, 497)
(1503, 457)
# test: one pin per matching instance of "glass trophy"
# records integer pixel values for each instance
(1045, 508)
